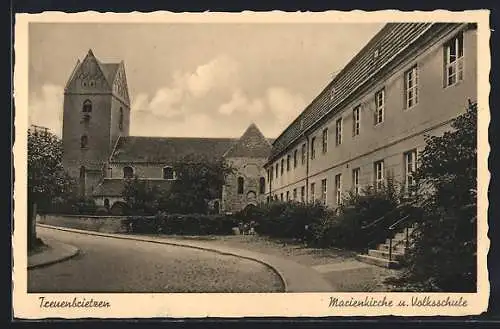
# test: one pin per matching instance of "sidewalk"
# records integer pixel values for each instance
(54, 252)
(296, 277)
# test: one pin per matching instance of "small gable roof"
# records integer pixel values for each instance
(139, 149)
(252, 144)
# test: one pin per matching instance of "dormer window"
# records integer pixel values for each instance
(87, 106)
(376, 53)
(332, 93)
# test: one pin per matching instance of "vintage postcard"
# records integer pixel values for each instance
(191, 165)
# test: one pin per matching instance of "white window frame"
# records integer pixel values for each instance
(313, 148)
(338, 189)
(324, 141)
(338, 131)
(294, 194)
(303, 154)
(355, 180)
(411, 87)
(356, 119)
(454, 62)
(410, 166)
(324, 191)
(379, 173)
(379, 106)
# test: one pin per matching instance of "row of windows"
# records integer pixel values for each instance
(453, 62)
(241, 185)
(168, 172)
(410, 165)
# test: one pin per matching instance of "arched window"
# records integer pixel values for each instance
(262, 185)
(82, 180)
(168, 173)
(87, 106)
(84, 141)
(240, 185)
(120, 122)
(128, 172)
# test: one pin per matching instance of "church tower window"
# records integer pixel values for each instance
(240, 185)
(84, 140)
(87, 106)
(128, 172)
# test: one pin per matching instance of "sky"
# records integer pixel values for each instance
(197, 80)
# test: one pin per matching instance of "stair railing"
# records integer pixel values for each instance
(385, 225)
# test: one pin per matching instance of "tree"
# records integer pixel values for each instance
(46, 176)
(141, 198)
(198, 180)
(443, 257)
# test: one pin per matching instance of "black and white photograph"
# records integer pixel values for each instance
(340, 157)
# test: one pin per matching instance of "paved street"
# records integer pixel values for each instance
(116, 265)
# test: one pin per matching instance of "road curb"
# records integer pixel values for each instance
(73, 253)
(172, 243)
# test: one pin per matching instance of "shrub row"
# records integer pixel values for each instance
(192, 224)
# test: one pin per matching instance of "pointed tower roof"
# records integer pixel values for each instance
(252, 144)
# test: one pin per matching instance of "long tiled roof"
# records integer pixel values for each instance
(392, 39)
(167, 149)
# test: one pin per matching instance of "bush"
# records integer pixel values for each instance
(180, 224)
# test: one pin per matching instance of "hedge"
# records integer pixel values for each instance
(180, 224)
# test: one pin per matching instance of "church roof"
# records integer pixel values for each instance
(167, 149)
(114, 187)
(109, 70)
(251, 144)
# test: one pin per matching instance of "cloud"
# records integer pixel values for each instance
(240, 103)
(46, 108)
(284, 104)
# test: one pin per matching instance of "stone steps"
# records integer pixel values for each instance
(382, 262)
(380, 255)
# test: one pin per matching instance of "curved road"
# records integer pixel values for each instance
(117, 265)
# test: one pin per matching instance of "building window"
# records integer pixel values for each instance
(295, 158)
(241, 183)
(288, 162)
(379, 174)
(294, 194)
(87, 106)
(281, 196)
(313, 198)
(338, 132)
(277, 169)
(302, 193)
(83, 175)
(356, 120)
(271, 174)
(454, 60)
(313, 148)
(128, 172)
(262, 185)
(323, 191)
(168, 173)
(282, 166)
(120, 122)
(338, 189)
(411, 87)
(287, 195)
(379, 106)
(84, 140)
(410, 167)
(355, 181)
(303, 154)
(324, 144)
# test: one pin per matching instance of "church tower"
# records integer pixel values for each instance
(96, 113)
